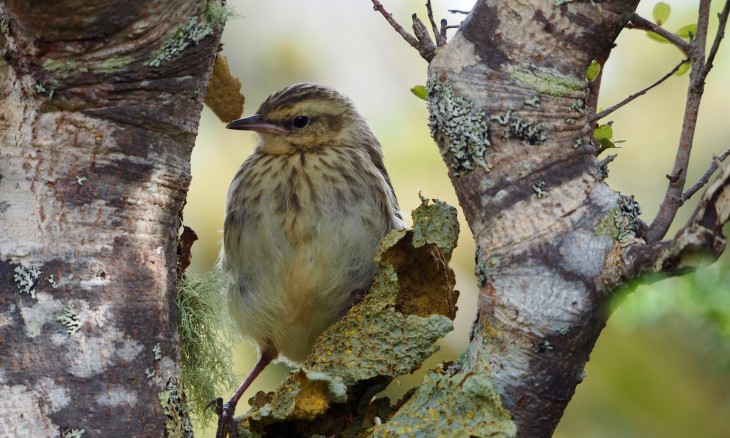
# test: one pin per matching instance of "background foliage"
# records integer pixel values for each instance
(662, 366)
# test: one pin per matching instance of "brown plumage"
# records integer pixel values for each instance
(304, 216)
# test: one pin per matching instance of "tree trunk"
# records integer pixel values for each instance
(101, 103)
(553, 240)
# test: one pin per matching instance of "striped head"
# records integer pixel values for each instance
(306, 118)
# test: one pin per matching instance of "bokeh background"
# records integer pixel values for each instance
(662, 366)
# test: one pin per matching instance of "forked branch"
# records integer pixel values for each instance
(674, 198)
(716, 162)
(422, 42)
(699, 243)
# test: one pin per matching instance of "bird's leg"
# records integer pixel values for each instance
(225, 420)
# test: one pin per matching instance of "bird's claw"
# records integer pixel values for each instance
(226, 422)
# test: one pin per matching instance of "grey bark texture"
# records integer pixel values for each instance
(553, 239)
(100, 108)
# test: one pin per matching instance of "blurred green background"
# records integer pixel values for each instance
(662, 366)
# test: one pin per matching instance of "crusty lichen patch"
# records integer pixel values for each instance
(622, 222)
(516, 127)
(465, 128)
(172, 401)
(435, 223)
(390, 332)
(25, 278)
(446, 405)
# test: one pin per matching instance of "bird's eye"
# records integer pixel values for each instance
(300, 122)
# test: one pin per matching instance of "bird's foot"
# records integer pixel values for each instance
(226, 422)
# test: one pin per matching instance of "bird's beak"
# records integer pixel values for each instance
(258, 124)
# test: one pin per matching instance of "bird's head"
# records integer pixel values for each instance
(304, 117)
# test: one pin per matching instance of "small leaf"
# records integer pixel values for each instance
(603, 132)
(684, 68)
(420, 92)
(661, 13)
(606, 143)
(593, 70)
(684, 31)
(656, 37)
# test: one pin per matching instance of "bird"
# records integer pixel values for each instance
(304, 217)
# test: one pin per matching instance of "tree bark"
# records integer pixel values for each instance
(101, 103)
(553, 240)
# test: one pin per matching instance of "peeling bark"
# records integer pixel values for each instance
(95, 141)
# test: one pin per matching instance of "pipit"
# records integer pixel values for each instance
(304, 217)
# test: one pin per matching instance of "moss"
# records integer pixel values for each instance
(466, 129)
(446, 405)
(218, 14)
(67, 66)
(207, 338)
(550, 83)
(113, 64)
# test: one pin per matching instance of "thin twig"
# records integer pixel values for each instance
(673, 197)
(722, 18)
(444, 27)
(716, 160)
(457, 11)
(607, 160)
(434, 27)
(427, 51)
(410, 39)
(426, 47)
(640, 22)
(613, 108)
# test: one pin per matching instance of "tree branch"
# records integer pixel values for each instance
(673, 197)
(642, 23)
(699, 243)
(613, 108)
(722, 17)
(424, 46)
(440, 35)
(716, 160)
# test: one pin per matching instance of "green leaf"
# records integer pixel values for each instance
(656, 37)
(684, 68)
(593, 70)
(603, 132)
(420, 92)
(684, 31)
(606, 143)
(661, 13)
